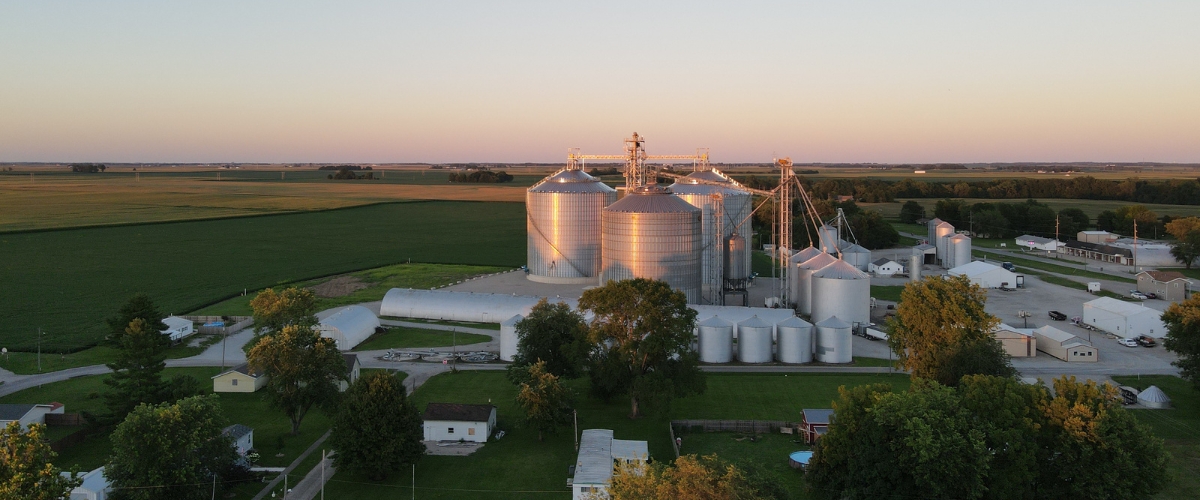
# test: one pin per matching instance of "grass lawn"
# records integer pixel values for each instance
(399, 337)
(763, 264)
(466, 324)
(1178, 426)
(1054, 268)
(25, 363)
(883, 292)
(70, 280)
(518, 466)
(767, 454)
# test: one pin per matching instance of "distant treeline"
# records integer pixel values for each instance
(485, 176)
(346, 173)
(88, 168)
(1172, 192)
(343, 167)
(596, 172)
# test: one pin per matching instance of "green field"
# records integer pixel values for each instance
(518, 466)
(886, 292)
(70, 280)
(1178, 426)
(399, 337)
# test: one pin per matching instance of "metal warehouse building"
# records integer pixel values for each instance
(986, 275)
(1123, 318)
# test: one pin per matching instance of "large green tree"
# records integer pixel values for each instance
(378, 429)
(1186, 231)
(1182, 320)
(911, 211)
(302, 368)
(552, 333)
(941, 332)
(1008, 414)
(140, 306)
(872, 231)
(641, 344)
(546, 402)
(1079, 221)
(171, 451)
(27, 470)
(275, 310)
(137, 370)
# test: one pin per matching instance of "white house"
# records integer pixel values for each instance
(352, 369)
(1038, 243)
(349, 326)
(28, 414)
(178, 328)
(94, 487)
(884, 267)
(986, 275)
(239, 379)
(1123, 318)
(459, 422)
(598, 455)
(242, 436)
(1064, 346)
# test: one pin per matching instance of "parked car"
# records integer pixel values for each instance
(1139, 295)
(1128, 342)
(1146, 341)
(1009, 266)
(1151, 295)
(1057, 316)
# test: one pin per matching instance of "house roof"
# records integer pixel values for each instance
(237, 431)
(351, 359)
(14, 411)
(458, 412)
(1164, 276)
(174, 322)
(243, 368)
(630, 450)
(1099, 248)
(819, 417)
(594, 465)
(882, 261)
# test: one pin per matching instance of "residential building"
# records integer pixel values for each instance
(352, 370)
(239, 379)
(459, 422)
(814, 424)
(178, 328)
(599, 454)
(1167, 285)
(94, 487)
(28, 414)
(243, 439)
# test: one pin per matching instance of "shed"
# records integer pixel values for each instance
(178, 328)
(239, 379)
(885, 267)
(1123, 318)
(242, 436)
(1065, 346)
(985, 274)
(459, 422)
(1167, 285)
(1017, 342)
(598, 455)
(28, 414)
(349, 326)
(815, 424)
(1153, 397)
(94, 487)
(352, 370)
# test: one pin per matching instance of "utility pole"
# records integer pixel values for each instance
(322, 474)
(575, 415)
(1135, 245)
(1056, 235)
(39, 350)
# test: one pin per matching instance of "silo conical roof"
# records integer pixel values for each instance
(959, 237)
(804, 255)
(945, 224)
(833, 322)
(793, 322)
(841, 270)
(855, 248)
(754, 322)
(715, 322)
(1153, 394)
(571, 181)
(651, 199)
(818, 262)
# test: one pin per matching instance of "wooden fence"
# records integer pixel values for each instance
(63, 419)
(743, 426)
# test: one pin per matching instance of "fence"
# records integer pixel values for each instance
(63, 419)
(69, 440)
(239, 322)
(743, 426)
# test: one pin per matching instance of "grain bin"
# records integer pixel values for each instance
(793, 276)
(833, 342)
(843, 291)
(931, 229)
(651, 233)
(857, 256)
(958, 250)
(915, 266)
(699, 189)
(737, 266)
(943, 232)
(508, 337)
(829, 238)
(715, 340)
(563, 226)
(754, 341)
(804, 273)
(794, 338)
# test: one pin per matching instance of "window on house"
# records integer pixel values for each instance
(233, 382)
(471, 431)
(450, 430)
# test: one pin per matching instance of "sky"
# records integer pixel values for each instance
(509, 81)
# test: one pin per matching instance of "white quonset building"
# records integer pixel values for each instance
(509, 341)
(1123, 318)
(349, 326)
(459, 422)
(598, 455)
(985, 275)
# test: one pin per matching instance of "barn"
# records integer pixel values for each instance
(1123, 318)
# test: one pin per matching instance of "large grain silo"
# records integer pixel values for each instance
(702, 189)
(793, 340)
(958, 250)
(931, 229)
(754, 341)
(793, 276)
(941, 234)
(508, 337)
(915, 266)
(804, 273)
(843, 291)
(563, 226)
(651, 233)
(857, 256)
(715, 340)
(833, 341)
(829, 238)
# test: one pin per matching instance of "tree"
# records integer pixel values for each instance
(953, 211)
(294, 306)
(302, 370)
(1182, 320)
(872, 231)
(911, 212)
(1181, 227)
(1008, 413)
(137, 371)
(941, 332)
(378, 429)
(138, 306)
(1106, 221)
(1147, 221)
(689, 477)
(27, 470)
(641, 343)
(171, 451)
(990, 224)
(1187, 231)
(1079, 221)
(546, 402)
(556, 335)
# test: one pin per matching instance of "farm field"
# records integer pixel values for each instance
(1178, 426)
(541, 470)
(69, 281)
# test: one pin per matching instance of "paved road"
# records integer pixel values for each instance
(314, 448)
